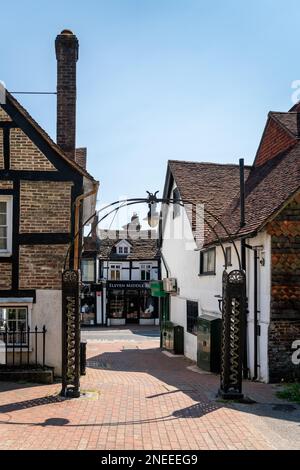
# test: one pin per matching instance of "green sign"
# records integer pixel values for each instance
(157, 289)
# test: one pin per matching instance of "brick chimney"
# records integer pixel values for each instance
(66, 47)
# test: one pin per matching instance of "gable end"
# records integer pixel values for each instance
(275, 140)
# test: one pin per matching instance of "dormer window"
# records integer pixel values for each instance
(123, 247)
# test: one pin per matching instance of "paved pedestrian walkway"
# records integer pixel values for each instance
(136, 397)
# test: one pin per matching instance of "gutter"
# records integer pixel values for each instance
(255, 314)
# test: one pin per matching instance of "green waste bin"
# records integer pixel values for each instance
(209, 343)
(173, 337)
(178, 339)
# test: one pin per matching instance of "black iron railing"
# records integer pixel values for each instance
(24, 347)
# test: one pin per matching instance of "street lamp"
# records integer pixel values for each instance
(152, 216)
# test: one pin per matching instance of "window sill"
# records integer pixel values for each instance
(17, 349)
(211, 273)
(5, 254)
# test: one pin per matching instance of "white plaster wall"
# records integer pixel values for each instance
(262, 240)
(136, 273)
(147, 321)
(47, 311)
(183, 263)
(116, 321)
(178, 316)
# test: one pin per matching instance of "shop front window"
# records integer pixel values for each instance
(116, 303)
(148, 306)
(132, 305)
(88, 309)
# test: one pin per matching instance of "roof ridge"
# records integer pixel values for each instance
(208, 163)
(283, 112)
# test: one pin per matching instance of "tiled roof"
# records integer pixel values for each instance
(267, 189)
(288, 120)
(212, 184)
(141, 249)
(45, 136)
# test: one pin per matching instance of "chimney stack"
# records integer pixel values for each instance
(66, 47)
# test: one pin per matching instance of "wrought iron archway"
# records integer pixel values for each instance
(233, 305)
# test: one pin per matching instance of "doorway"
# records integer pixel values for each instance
(132, 306)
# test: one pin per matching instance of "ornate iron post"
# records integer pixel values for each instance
(233, 314)
(70, 334)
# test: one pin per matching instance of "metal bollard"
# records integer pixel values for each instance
(83, 357)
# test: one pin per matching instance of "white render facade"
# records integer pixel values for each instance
(182, 258)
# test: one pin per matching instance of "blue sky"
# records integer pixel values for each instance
(157, 79)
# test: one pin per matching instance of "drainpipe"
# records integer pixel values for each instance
(242, 211)
(77, 204)
(243, 254)
(255, 313)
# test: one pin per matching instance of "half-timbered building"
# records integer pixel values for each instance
(117, 270)
(40, 181)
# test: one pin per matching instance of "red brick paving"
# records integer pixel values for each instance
(138, 399)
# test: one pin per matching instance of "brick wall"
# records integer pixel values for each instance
(4, 116)
(6, 185)
(41, 266)
(275, 141)
(25, 155)
(66, 46)
(1, 150)
(285, 291)
(5, 276)
(80, 156)
(282, 334)
(45, 206)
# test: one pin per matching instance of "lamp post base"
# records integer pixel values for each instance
(70, 393)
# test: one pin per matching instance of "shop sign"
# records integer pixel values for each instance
(128, 285)
(157, 289)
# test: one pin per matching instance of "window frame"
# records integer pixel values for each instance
(115, 267)
(202, 254)
(121, 246)
(192, 329)
(9, 224)
(228, 250)
(17, 321)
(146, 271)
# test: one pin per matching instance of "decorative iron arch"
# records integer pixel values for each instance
(152, 199)
(233, 305)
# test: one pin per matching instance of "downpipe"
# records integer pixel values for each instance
(77, 205)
